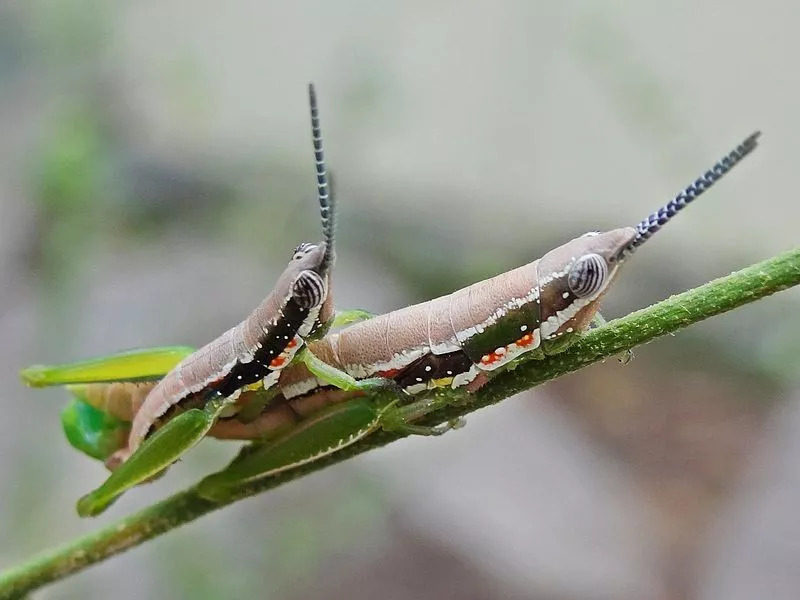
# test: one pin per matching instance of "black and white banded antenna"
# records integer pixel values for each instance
(327, 204)
(657, 220)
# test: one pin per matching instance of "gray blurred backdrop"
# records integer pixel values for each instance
(157, 171)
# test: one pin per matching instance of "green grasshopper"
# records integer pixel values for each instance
(204, 384)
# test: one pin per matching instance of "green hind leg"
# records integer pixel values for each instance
(392, 418)
(338, 378)
(397, 419)
(320, 435)
(409, 429)
(93, 432)
(145, 364)
(87, 428)
(350, 316)
(155, 454)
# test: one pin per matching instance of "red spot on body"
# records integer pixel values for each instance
(389, 373)
(493, 357)
(292, 344)
(277, 362)
(525, 340)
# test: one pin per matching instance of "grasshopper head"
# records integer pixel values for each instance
(309, 274)
(573, 277)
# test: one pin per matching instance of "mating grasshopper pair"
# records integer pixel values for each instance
(281, 380)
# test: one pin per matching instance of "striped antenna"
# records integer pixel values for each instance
(327, 207)
(657, 220)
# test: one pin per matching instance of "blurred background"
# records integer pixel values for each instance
(157, 171)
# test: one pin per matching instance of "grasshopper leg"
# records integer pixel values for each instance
(133, 365)
(395, 420)
(325, 433)
(318, 436)
(92, 431)
(408, 429)
(155, 454)
(350, 316)
(338, 378)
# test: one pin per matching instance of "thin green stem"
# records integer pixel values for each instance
(716, 297)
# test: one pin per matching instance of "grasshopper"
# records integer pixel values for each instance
(458, 340)
(194, 388)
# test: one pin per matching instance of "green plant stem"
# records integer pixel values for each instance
(716, 297)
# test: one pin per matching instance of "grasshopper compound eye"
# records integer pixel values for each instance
(588, 275)
(308, 289)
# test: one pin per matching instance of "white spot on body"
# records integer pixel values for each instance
(553, 322)
(416, 388)
(271, 379)
(465, 377)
